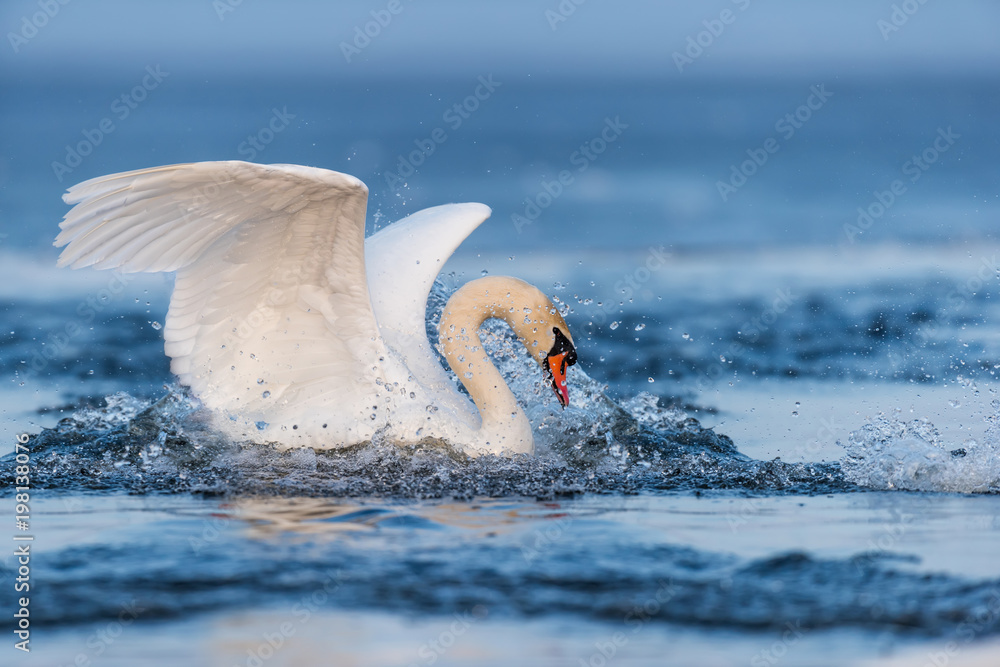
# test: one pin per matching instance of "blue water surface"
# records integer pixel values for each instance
(696, 508)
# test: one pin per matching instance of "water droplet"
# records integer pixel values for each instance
(260, 380)
(651, 380)
(613, 326)
(640, 327)
(266, 394)
(686, 336)
(156, 325)
(412, 395)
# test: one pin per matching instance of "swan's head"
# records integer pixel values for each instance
(529, 312)
(544, 332)
(561, 356)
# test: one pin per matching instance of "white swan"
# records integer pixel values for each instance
(294, 328)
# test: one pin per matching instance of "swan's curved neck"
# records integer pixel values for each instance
(527, 310)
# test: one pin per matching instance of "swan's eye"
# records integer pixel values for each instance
(562, 345)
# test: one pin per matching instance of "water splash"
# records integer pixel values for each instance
(595, 445)
(599, 446)
(888, 453)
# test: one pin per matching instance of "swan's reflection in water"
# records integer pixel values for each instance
(333, 541)
(271, 518)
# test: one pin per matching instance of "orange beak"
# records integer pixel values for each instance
(557, 369)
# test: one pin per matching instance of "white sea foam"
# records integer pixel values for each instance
(889, 453)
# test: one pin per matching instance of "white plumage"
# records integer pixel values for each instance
(284, 320)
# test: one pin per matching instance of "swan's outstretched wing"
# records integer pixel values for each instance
(403, 260)
(271, 303)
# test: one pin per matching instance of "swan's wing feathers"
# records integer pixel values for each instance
(270, 296)
(403, 260)
(163, 218)
(406, 257)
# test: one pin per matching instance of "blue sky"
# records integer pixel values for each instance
(517, 37)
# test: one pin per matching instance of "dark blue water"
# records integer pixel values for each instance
(656, 182)
(639, 511)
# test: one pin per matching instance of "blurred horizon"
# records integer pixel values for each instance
(700, 88)
(450, 38)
